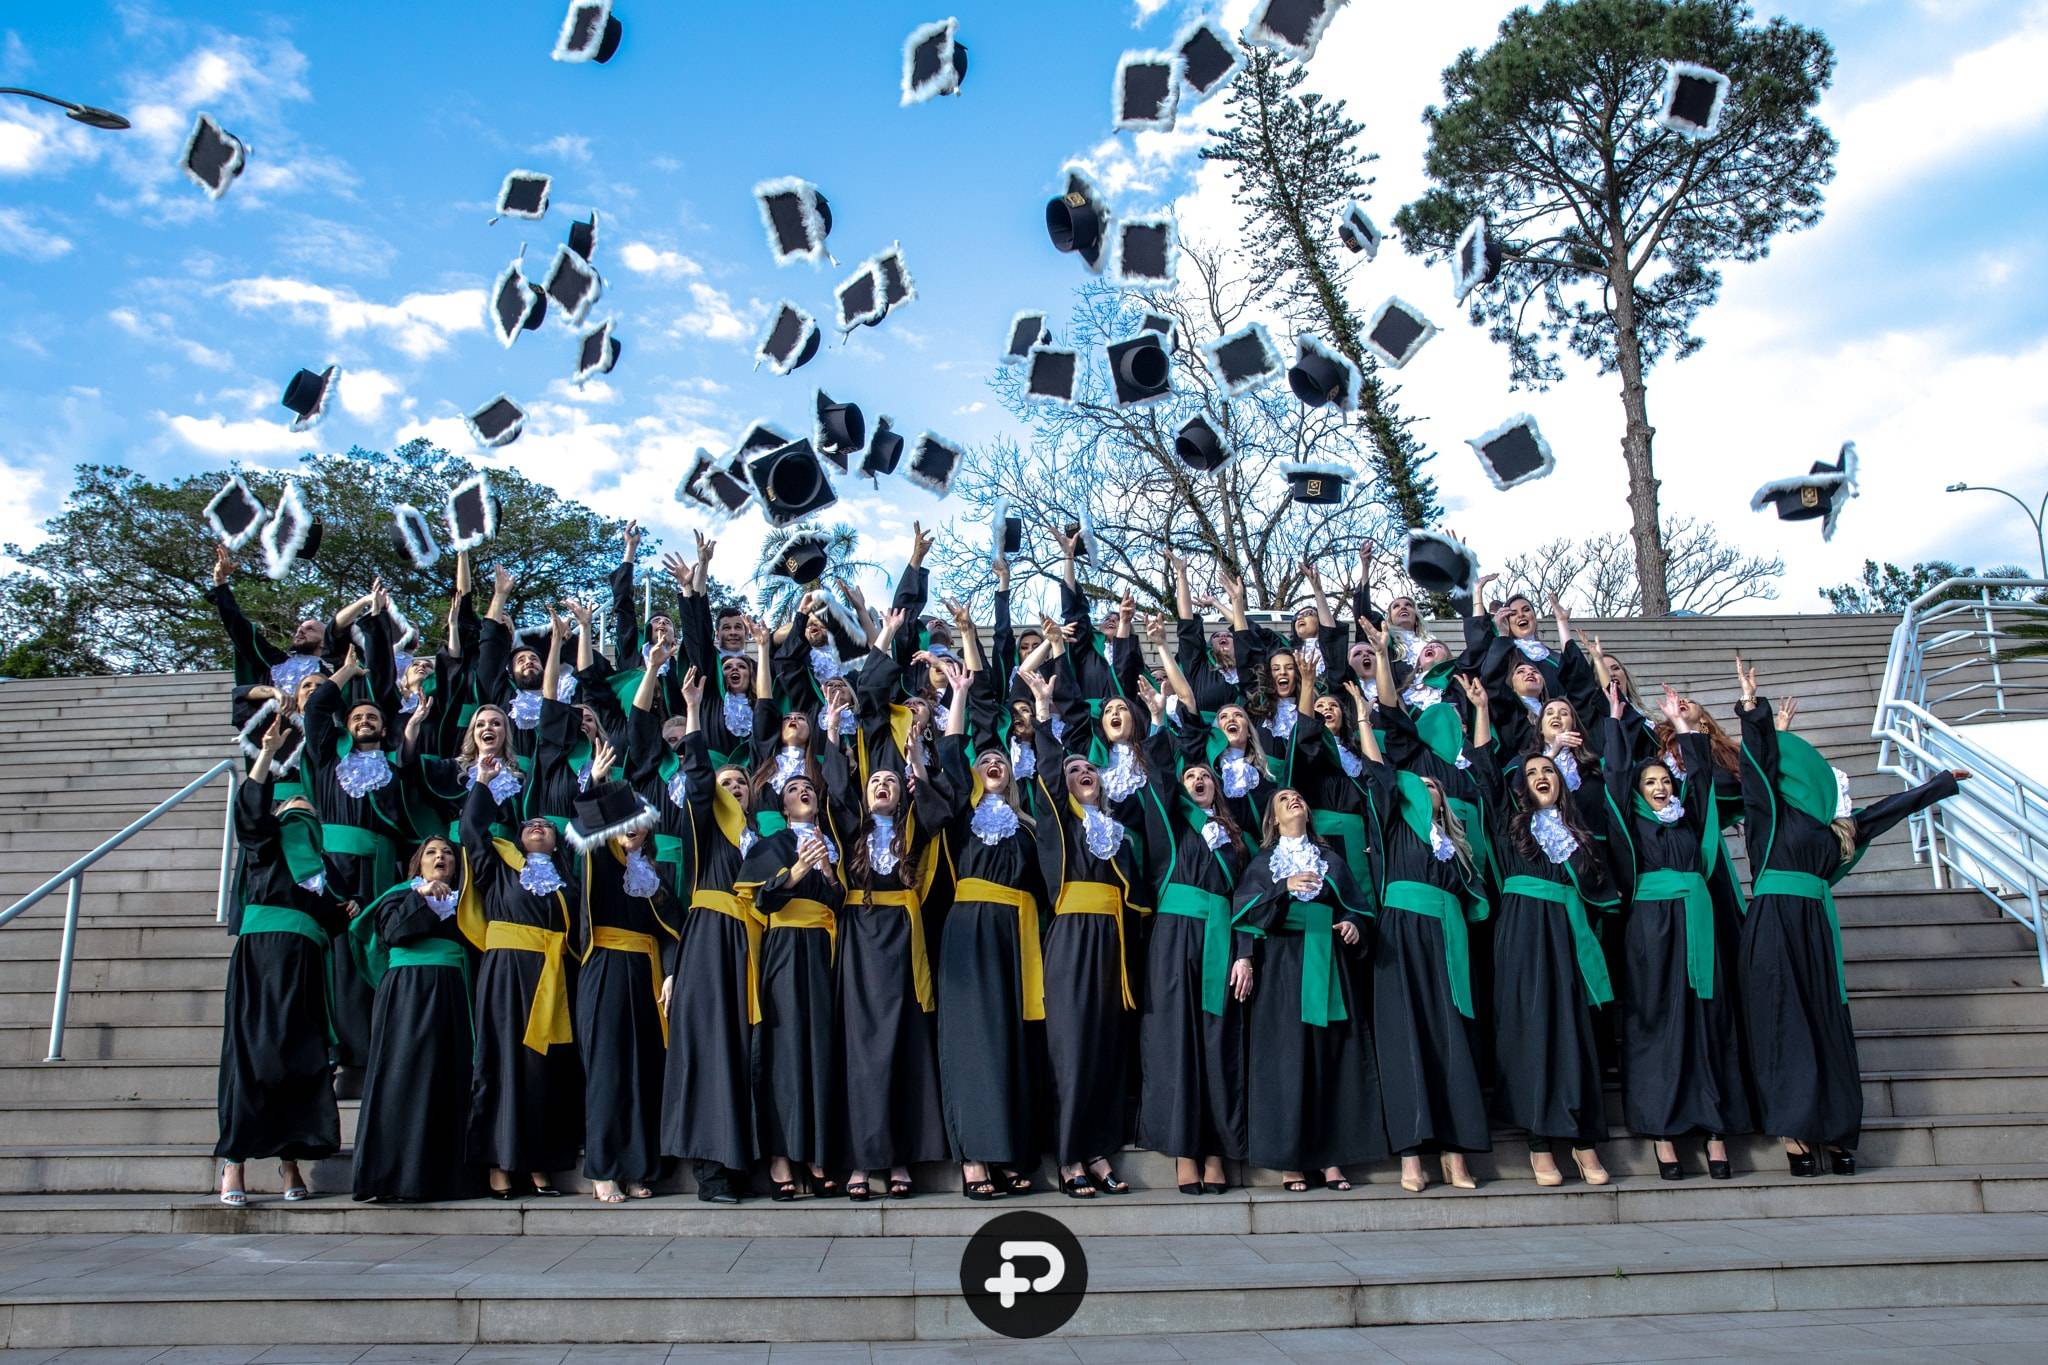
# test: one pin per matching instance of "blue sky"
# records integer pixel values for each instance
(149, 326)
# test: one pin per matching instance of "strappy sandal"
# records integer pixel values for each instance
(899, 1189)
(825, 1187)
(1107, 1182)
(617, 1196)
(1294, 1186)
(1014, 1183)
(1340, 1184)
(980, 1191)
(786, 1190)
(234, 1199)
(639, 1192)
(296, 1193)
(1078, 1187)
(857, 1189)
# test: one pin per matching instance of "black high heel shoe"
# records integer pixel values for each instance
(1191, 1187)
(1718, 1170)
(1214, 1186)
(980, 1191)
(1805, 1165)
(1670, 1170)
(1841, 1162)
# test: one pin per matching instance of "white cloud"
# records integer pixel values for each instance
(643, 259)
(567, 146)
(158, 328)
(1146, 9)
(713, 317)
(970, 409)
(217, 436)
(21, 237)
(419, 324)
(364, 392)
(589, 392)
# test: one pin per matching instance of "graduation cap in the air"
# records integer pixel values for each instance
(1078, 220)
(1323, 374)
(860, 298)
(1820, 492)
(1475, 260)
(573, 285)
(1027, 330)
(885, 450)
(1244, 360)
(1053, 374)
(1147, 255)
(934, 62)
(933, 462)
(1147, 92)
(1315, 483)
(517, 303)
(760, 438)
(840, 431)
(1397, 331)
(1514, 452)
(413, 537)
(1208, 57)
(291, 535)
(583, 237)
(590, 32)
(235, 514)
(608, 811)
(725, 490)
(1005, 532)
(213, 157)
(690, 488)
(308, 394)
(497, 423)
(1358, 232)
(524, 195)
(1085, 529)
(1160, 323)
(1439, 564)
(797, 219)
(1692, 100)
(1201, 447)
(804, 559)
(791, 482)
(790, 341)
(471, 513)
(1141, 369)
(897, 286)
(597, 352)
(1293, 27)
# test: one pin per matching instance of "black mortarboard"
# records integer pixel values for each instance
(291, 535)
(934, 62)
(1244, 360)
(213, 157)
(497, 423)
(607, 811)
(1439, 564)
(804, 559)
(413, 537)
(885, 450)
(590, 32)
(791, 482)
(840, 431)
(791, 339)
(517, 304)
(691, 487)
(1147, 253)
(1208, 57)
(1357, 231)
(1141, 369)
(1692, 100)
(760, 438)
(1026, 330)
(1514, 452)
(597, 352)
(573, 285)
(583, 237)
(1397, 331)
(1293, 27)
(524, 195)
(1160, 323)
(1821, 492)
(471, 513)
(1147, 92)
(1475, 260)
(1317, 484)
(897, 286)
(859, 297)
(1201, 447)
(1323, 374)
(797, 218)
(726, 490)
(933, 462)
(1005, 532)
(308, 395)
(1085, 529)
(1053, 374)
(235, 514)
(1078, 220)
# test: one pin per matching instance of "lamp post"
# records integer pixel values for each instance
(2037, 517)
(84, 113)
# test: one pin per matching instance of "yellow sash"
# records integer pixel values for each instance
(1031, 964)
(912, 905)
(725, 903)
(547, 1023)
(798, 913)
(1100, 898)
(626, 941)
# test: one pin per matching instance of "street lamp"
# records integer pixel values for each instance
(2037, 517)
(83, 113)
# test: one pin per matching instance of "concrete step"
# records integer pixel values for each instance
(1989, 1006)
(1929, 937)
(86, 1042)
(119, 973)
(1953, 1090)
(177, 1079)
(1957, 971)
(82, 827)
(148, 1008)
(2004, 1045)
(151, 849)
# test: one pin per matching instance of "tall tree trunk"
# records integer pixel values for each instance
(1646, 531)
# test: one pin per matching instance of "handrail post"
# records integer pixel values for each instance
(227, 851)
(65, 954)
(1991, 651)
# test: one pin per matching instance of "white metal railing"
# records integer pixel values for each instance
(74, 877)
(1951, 663)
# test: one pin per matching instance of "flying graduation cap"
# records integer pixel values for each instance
(573, 285)
(1475, 260)
(471, 512)
(235, 514)
(413, 537)
(1397, 331)
(934, 62)
(213, 157)
(1140, 369)
(1819, 493)
(884, 452)
(1313, 483)
(597, 352)
(1027, 330)
(897, 286)
(1201, 447)
(1439, 564)
(1692, 100)
(524, 195)
(1358, 232)
(1244, 360)
(1078, 220)
(791, 482)
(797, 219)
(860, 298)
(1208, 57)
(1147, 92)
(1052, 375)
(1323, 374)
(1292, 27)
(590, 33)
(583, 237)
(1160, 323)
(1514, 452)
(497, 423)
(804, 558)
(933, 462)
(791, 339)
(293, 534)
(1005, 532)
(517, 303)
(1147, 255)
(308, 394)
(840, 431)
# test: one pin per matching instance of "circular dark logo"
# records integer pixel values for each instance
(1023, 1274)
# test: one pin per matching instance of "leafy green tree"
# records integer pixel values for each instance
(1611, 226)
(1294, 160)
(1889, 588)
(40, 634)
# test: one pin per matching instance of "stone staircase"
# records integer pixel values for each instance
(114, 1140)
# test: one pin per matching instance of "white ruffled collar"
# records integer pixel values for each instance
(1102, 831)
(1295, 854)
(525, 707)
(287, 673)
(882, 845)
(1123, 776)
(1557, 842)
(1670, 813)
(789, 762)
(503, 786)
(540, 876)
(1440, 846)
(1213, 833)
(442, 906)
(640, 878)
(993, 820)
(1285, 714)
(1352, 764)
(1238, 773)
(739, 715)
(363, 771)
(1568, 766)
(1535, 651)
(1023, 759)
(825, 664)
(804, 831)
(679, 788)
(1671, 761)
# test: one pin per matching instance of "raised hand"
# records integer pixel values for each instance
(1671, 705)
(1746, 676)
(1001, 565)
(676, 567)
(704, 547)
(659, 653)
(1617, 705)
(1155, 629)
(558, 624)
(1376, 636)
(757, 631)
(632, 540)
(380, 600)
(920, 543)
(223, 565)
(1787, 709)
(1154, 702)
(582, 611)
(418, 719)
(501, 581)
(273, 737)
(1474, 690)
(693, 689)
(1040, 685)
(602, 757)
(956, 676)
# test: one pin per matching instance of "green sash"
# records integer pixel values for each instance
(1420, 898)
(1322, 997)
(364, 843)
(1585, 945)
(299, 838)
(1778, 881)
(1347, 831)
(1213, 910)
(430, 952)
(283, 919)
(1670, 884)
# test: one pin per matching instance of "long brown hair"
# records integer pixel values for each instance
(1269, 824)
(419, 856)
(859, 868)
(764, 772)
(1727, 753)
(1219, 809)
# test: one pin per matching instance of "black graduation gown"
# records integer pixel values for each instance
(1796, 1026)
(525, 1106)
(619, 1031)
(411, 1135)
(1313, 1098)
(276, 1096)
(1682, 1068)
(652, 769)
(1213, 688)
(796, 1083)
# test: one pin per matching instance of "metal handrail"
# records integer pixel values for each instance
(1993, 835)
(74, 876)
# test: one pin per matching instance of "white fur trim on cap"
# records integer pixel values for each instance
(1273, 368)
(1664, 116)
(1520, 419)
(481, 485)
(1261, 32)
(813, 221)
(645, 818)
(1388, 357)
(1120, 275)
(563, 51)
(229, 171)
(1354, 218)
(1223, 40)
(249, 532)
(1168, 106)
(279, 554)
(416, 534)
(945, 80)
(1310, 344)
(506, 188)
